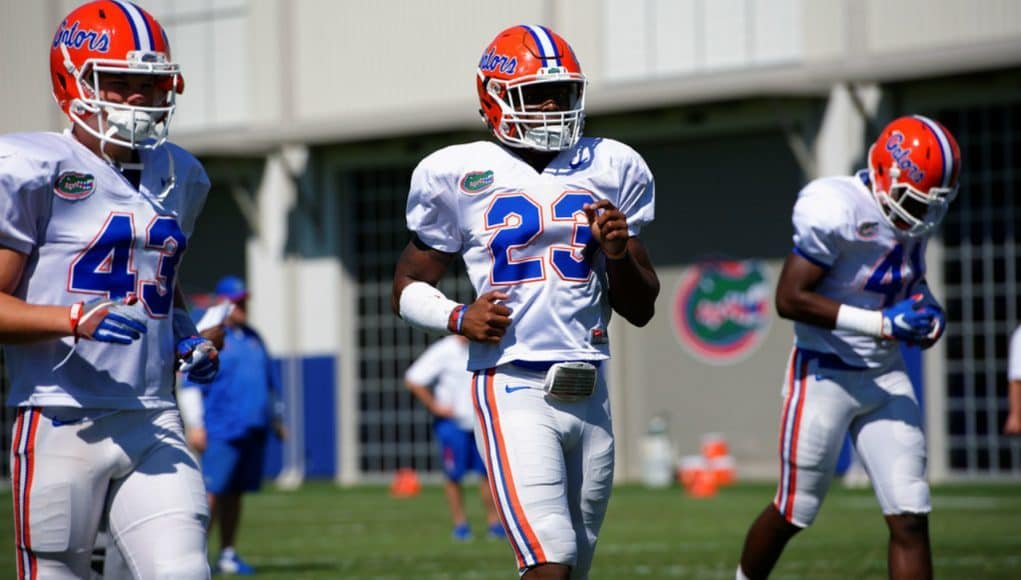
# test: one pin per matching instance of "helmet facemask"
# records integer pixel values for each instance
(911, 210)
(545, 112)
(122, 124)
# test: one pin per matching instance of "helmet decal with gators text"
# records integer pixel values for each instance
(902, 155)
(721, 310)
(75, 38)
(492, 61)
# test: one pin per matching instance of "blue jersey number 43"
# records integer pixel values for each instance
(106, 267)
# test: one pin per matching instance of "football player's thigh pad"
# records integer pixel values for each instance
(523, 443)
(595, 458)
(159, 510)
(69, 477)
(814, 421)
(891, 444)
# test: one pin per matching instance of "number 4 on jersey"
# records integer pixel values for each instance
(888, 277)
(106, 267)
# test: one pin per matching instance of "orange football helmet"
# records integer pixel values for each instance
(531, 89)
(914, 166)
(113, 37)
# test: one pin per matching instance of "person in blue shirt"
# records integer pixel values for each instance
(231, 426)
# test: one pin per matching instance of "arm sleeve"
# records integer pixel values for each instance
(198, 191)
(638, 195)
(817, 222)
(432, 211)
(189, 400)
(24, 203)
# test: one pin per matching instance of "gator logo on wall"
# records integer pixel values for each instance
(721, 310)
(73, 186)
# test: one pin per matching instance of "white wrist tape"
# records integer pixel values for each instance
(189, 400)
(860, 320)
(426, 308)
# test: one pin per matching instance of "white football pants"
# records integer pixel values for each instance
(550, 465)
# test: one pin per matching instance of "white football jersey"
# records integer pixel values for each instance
(89, 233)
(1014, 356)
(839, 227)
(442, 366)
(524, 233)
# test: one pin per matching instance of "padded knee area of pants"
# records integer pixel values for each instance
(557, 537)
(188, 567)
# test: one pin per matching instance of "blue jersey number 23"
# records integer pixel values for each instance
(518, 221)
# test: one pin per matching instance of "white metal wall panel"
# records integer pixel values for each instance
(366, 57)
(230, 66)
(921, 24)
(776, 31)
(652, 39)
(726, 34)
(627, 52)
(25, 34)
(676, 37)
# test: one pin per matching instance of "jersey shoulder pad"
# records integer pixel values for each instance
(186, 165)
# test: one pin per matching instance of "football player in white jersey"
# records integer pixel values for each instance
(441, 368)
(94, 224)
(1012, 424)
(855, 288)
(547, 223)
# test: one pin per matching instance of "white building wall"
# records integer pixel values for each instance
(262, 72)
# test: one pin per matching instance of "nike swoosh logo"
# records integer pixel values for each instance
(900, 322)
(511, 389)
(58, 422)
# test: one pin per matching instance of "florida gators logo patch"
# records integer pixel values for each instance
(721, 310)
(74, 186)
(476, 182)
(868, 230)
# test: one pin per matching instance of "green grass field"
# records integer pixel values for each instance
(322, 531)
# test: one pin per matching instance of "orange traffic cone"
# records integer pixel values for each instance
(723, 470)
(405, 483)
(690, 466)
(704, 484)
(714, 445)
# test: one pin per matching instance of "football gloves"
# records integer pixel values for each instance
(106, 320)
(939, 324)
(199, 359)
(911, 321)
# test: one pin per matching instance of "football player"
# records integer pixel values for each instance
(95, 222)
(1012, 424)
(442, 368)
(854, 285)
(547, 223)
